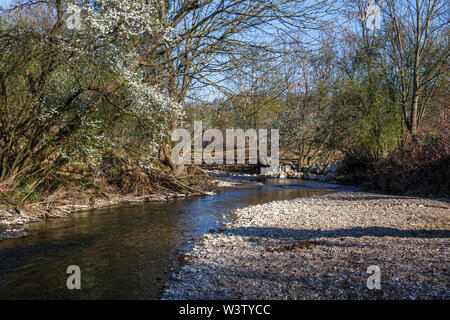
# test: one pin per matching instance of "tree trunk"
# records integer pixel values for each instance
(414, 112)
(177, 170)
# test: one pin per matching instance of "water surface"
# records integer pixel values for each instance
(126, 252)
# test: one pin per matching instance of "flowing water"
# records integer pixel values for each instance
(124, 252)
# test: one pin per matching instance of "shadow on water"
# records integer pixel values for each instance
(124, 253)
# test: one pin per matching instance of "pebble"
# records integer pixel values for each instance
(348, 232)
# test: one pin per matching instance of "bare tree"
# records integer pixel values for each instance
(418, 49)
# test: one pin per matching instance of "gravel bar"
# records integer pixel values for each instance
(320, 247)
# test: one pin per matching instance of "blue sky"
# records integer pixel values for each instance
(4, 3)
(208, 92)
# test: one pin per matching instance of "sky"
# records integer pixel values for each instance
(4, 3)
(206, 93)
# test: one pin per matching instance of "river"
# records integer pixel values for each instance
(126, 252)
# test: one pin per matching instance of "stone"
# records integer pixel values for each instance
(288, 167)
(309, 176)
(334, 167)
(327, 169)
(293, 244)
(270, 172)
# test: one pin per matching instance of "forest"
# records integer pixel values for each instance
(90, 91)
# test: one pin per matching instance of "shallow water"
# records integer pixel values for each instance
(126, 252)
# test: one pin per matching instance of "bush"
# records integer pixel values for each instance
(422, 165)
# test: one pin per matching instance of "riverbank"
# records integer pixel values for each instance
(14, 220)
(320, 248)
(147, 240)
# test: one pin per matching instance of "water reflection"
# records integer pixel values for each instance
(123, 253)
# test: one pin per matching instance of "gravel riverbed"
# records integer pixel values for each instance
(320, 247)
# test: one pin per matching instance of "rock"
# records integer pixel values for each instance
(11, 233)
(295, 174)
(222, 184)
(327, 169)
(319, 247)
(334, 167)
(288, 167)
(282, 175)
(309, 176)
(270, 171)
